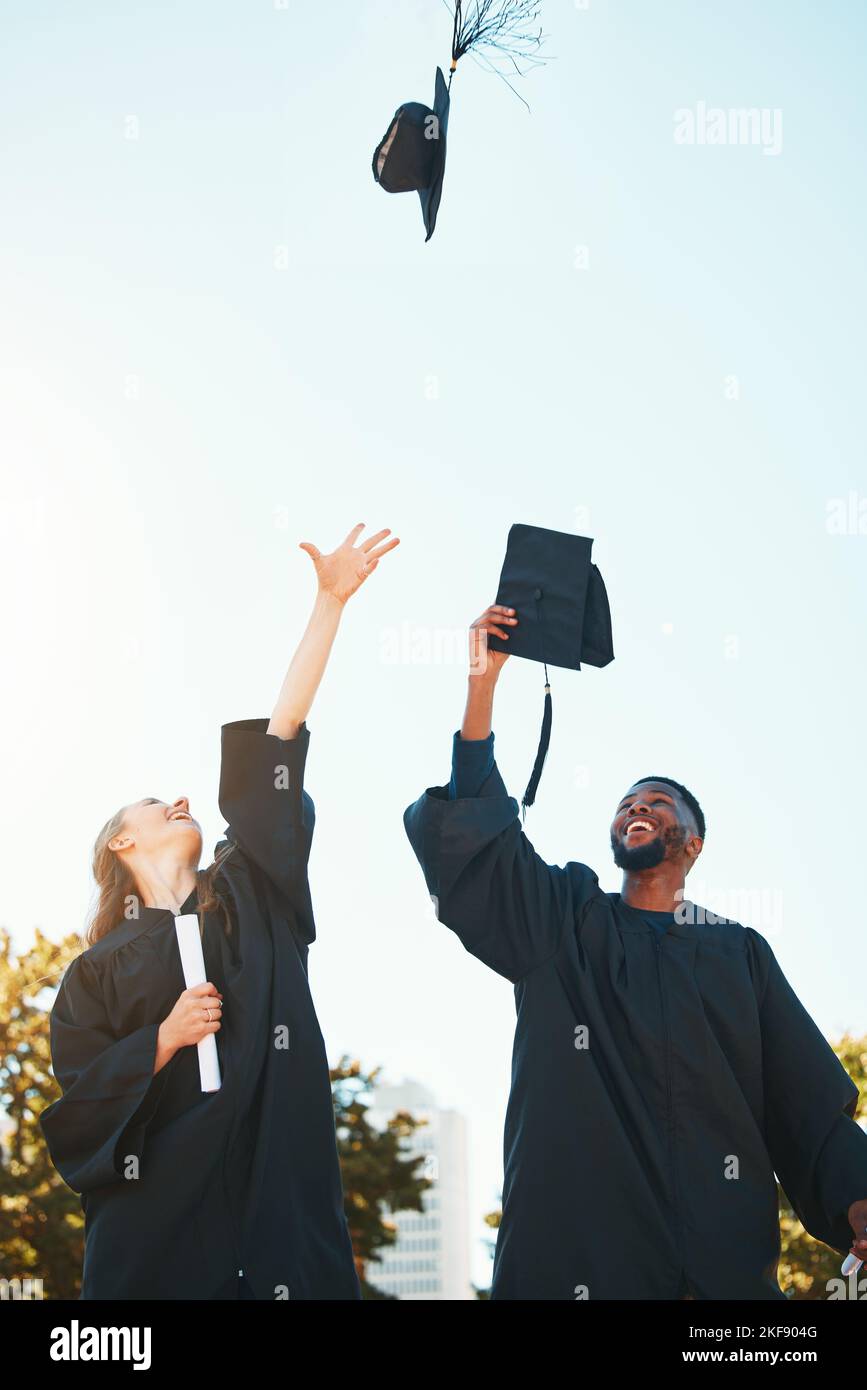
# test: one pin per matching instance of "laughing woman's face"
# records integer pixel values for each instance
(154, 828)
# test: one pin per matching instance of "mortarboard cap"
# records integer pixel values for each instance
(562, 609)
(411, 156)
(412, 153)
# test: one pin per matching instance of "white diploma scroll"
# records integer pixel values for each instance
(193, 966)
(852, 1263)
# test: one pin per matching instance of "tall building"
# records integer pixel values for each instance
(431, 1258)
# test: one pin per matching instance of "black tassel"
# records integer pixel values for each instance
(499, 32)
(544, 739)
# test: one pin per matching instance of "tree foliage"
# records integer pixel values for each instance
(41, 1223)
(805, 1264)
(379, 1177)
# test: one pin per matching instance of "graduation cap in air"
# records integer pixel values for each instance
(412, 153)
(411, 156)
(562, 609)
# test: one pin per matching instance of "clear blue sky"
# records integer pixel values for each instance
(220, 338)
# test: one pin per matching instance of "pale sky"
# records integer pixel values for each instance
(220, 337)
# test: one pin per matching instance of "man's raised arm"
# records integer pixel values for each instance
(505, 903)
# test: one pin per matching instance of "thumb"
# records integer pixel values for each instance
(311, 550)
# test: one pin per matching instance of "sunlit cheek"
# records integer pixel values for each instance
(153, 831)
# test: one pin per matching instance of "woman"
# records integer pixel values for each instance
(235, 1193)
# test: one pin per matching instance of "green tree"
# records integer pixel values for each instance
(379, 1178)
(41, 1222)
(805, 1264)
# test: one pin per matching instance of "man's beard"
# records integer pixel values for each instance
(648, 855)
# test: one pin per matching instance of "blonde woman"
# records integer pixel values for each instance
(234, 1193)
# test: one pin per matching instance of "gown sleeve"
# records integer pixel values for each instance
(808, 1094)
(505, 904)
(268, 812)
(109, 1089)
(472, 765)
(843, 1171)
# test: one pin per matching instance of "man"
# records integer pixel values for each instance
(663, 1068)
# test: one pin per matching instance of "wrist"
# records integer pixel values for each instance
(327, 601)
(481, 687)
(482, 680)
(478, 712)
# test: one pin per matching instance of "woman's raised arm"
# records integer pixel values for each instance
(339, 575)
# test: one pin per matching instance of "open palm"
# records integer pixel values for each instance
(345, 569)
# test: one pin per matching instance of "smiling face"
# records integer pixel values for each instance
(152, 828)
(653, 823)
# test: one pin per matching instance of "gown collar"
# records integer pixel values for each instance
(149, 916)
(636, 921)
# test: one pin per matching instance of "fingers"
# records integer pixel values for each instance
(496, 613)
(368, 546)
(209, 1020)
(493, 617)
(372, 540)
(206, 988)
(375, 556)
(201, 1031)
(371, 552)
(384, 549)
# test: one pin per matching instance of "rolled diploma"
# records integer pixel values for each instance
(193, 966)
(852, 1264)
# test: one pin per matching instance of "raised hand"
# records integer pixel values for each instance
(484, 660)
(485, 667)
(345, 569)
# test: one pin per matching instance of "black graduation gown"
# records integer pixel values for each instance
(699, 1062)
(246, 1178)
